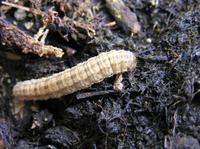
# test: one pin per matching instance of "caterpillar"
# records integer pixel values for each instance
(81, 76)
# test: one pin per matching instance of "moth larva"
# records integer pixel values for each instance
(76, 78)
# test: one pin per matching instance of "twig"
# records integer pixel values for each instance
(124, 16)
(11, 36)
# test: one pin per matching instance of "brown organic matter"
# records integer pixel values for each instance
(124, 16)
(11, 36)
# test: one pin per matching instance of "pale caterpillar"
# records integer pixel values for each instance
(76, 78)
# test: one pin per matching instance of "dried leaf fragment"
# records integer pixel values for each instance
(13, 37)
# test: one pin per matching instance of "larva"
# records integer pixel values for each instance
(76, 78)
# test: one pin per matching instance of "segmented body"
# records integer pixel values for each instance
(76, 78)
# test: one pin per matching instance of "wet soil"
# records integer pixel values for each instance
(159, 107)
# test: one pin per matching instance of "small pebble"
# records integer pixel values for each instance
(28, 25)
(149, 40)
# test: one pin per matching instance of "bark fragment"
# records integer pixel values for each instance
(11, 36)
(124, 16)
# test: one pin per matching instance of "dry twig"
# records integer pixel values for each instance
(124, 16)
(13, 37)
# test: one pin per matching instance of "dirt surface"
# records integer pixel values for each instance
(159, 107)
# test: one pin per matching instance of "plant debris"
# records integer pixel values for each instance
(124, 16)
(11, 36)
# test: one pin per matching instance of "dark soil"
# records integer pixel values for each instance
(160, 106)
